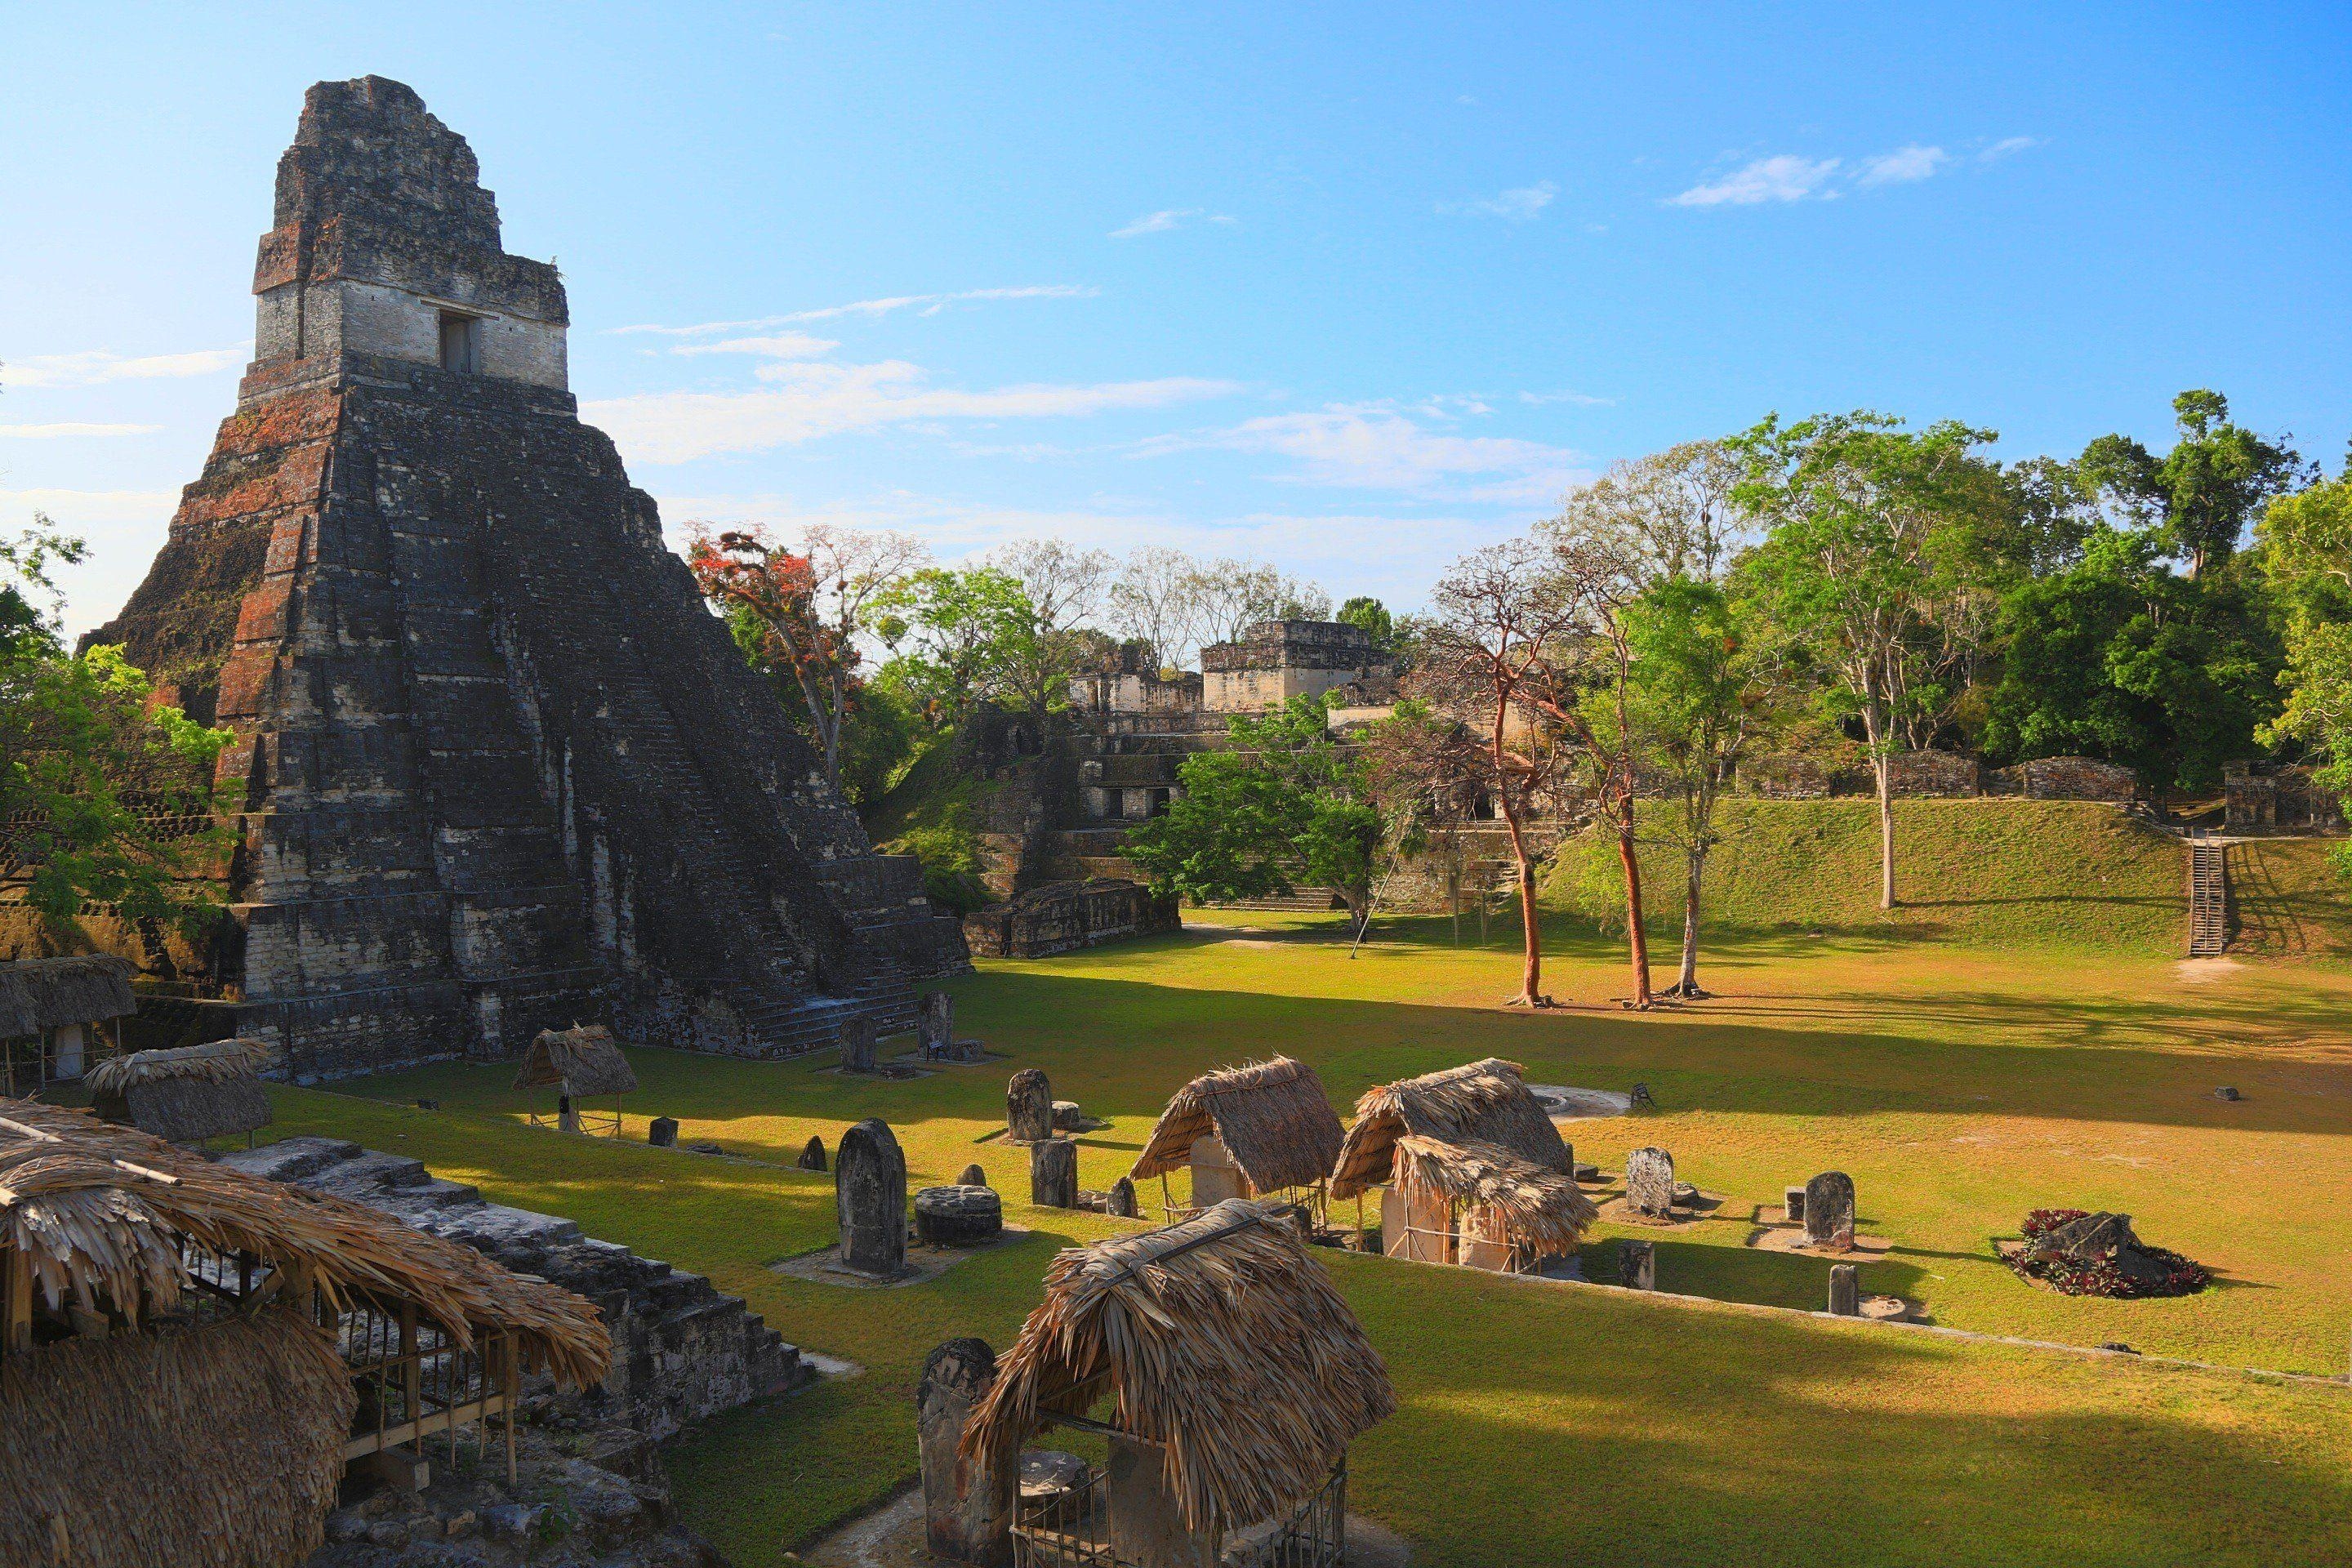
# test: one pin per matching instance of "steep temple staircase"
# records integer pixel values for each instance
(2208, 896)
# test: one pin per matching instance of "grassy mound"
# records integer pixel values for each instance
(2037, 872)
(934, 813)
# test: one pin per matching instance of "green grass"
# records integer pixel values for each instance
(2003, 871)
(1958, 1085)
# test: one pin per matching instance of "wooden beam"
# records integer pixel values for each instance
(455, 1416)
(15, 1302)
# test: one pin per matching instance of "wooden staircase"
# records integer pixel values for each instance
(2209, 897)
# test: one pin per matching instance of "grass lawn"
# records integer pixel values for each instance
(1959, 1085)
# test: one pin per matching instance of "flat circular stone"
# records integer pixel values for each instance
(1587, 1172)
(1048, 1473)
(1068, 1118)
(958, 1217)
(1685, 1194)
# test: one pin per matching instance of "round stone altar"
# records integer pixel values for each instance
(958, 1217)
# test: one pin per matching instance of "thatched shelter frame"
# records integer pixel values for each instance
(104, 1229)
(1273, 1120)
(577, 1062)
(41, 999)
(1228, 1353)
(186, 1094)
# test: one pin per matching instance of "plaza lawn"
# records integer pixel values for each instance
(1959, 1086)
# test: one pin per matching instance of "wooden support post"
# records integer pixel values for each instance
(411, 1375)
(512, 1378)
(15, 1302)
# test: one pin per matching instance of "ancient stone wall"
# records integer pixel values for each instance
(2065, 778)
(2267, 798)
(502, 770)
(1068, 915)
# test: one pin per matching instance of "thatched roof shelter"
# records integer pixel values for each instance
(580, 1061)
(1538, 1206)
(99, 1211)
(139, 1449)
(38, 994)
(1479, 1102)
(188, 1093)
(1223, 1340)
(1272, 1117)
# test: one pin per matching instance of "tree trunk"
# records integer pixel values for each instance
(1637, 939)
(1885, 769)
(1531, 975)
(1695, 866)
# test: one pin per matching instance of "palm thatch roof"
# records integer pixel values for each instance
(214, 1061)
(38, 994)
(1272, 1117)
(212, 1446)
(1479, 1102)
(1540, 1206)
(1223, 1340)
(582, 1059)
(99, 1210)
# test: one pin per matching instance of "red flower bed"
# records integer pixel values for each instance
(2099, 1276)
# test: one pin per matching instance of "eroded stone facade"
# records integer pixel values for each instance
(501, 769)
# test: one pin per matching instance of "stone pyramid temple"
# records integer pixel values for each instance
(502, 769)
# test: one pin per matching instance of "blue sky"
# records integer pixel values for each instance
(1352, 288)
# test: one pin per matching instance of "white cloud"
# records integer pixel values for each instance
(781, 345)
(51, 432)
(1371, 447)
(1901, 166)
(1784, 178)
(99, 365)
(929, 305)
(75, 509)
(809, 401)
(2008, 145)
(1580, 399)
(1518, 205)
(1165, 219)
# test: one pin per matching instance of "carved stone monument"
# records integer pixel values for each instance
(1122, 1202)
(869, 1186)
(1846, 1290)
(857, 1043)
(1650, 1183)
(812, 1154)
(1637, 1265)
(662, 1132)
(1054, 1174)
(1028, 1107)
(958, 1216)
(1829, 1210)
(966, 1516)
(937, 1026)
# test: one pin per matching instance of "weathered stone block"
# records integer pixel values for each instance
(870, 1198)
(1054, 1174)
(1650, 1181)
(1845, 1289)
(812, 1154)
(662, 1132)
(958, 1217)
(1829, 1210)
(1028, 1106)
(1637, 1265)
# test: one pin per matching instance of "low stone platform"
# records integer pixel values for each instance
(681, 1350)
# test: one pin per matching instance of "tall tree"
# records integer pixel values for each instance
(2307, 555)
(107, 796)
(1490, 646)
(1283, 807)
(806, 609)
(1871, 542)
(1151, 601)
(2200, 496)
(1369, 616)
(1227, 597)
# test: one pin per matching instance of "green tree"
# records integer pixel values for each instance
(1703, 685)
(1875, 560)
(107, 797)
(2307, 555)
(2199, 497)
(1372, 617)
(1284, 806)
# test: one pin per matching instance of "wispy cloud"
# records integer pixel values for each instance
(54, 432)
(80, 508)
(1167, 218)
(1580, 399)
(96, 367)
(1518, 205)
(1788, 177)
(1783, 178)
(1374, 447)
(781, 345)
(1901, 166)
(806, 402)
(923, 304)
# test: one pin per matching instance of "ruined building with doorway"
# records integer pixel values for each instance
(501, 768)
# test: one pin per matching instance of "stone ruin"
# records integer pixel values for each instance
(681, 1350)
(869, 1187)
(1062, 917)
(1054, 1174)
(1028, 1107)
(967, 1214)
(1828, 1208)
(2084, 1254)
(1650, 1183)
(500, 768)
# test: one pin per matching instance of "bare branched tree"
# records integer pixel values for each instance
(1151, 601)
(1673, 512)
(1227, 597)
